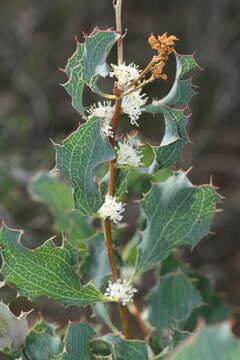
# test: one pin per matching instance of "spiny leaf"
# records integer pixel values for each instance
(187, 63)
(175, 136)
(44, 271)
(177, 213)
(127, 349)
(182, 90)
(78, 158)
(77, 342)
(167, 155)
(172, 300)
(172, 106)
(49, 189)
(209, 343)
(171, 125)
(87, 64)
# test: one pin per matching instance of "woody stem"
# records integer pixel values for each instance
(118, 16)
(107, 222)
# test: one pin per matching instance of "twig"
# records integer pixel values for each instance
(118, 16)
(143, 73)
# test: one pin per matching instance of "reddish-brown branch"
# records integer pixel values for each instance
(107, 222)
(109, 244)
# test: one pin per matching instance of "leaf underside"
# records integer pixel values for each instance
(173, 106)
(44, 271)
(177, 213)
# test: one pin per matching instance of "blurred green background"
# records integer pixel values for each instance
(37, 37)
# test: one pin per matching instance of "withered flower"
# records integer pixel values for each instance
(164, 45)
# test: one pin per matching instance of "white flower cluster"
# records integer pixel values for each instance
(105, 111)
(121, 291)
(112, 209)
(124, 74)
(133, 103)
(128, 152)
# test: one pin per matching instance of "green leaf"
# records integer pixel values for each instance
(122, 183)
(209, 343)
(49, 189)
(177, 213)
(170, 118)
(182, 90)
(77, 342)
(162, 175)
(44, 271)
(175, 136)
(99, 261)
(87, 64)
(42, 346)
(168, 155)
(127, 349)
(214, 310)
(78, 158)
(172, 106)
(100, 348)
(96, 267)
(172, 300)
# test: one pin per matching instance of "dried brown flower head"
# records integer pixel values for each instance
(164, 45)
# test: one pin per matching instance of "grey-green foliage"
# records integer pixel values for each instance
(77, 342)
(172, 301)
(173, 108)
(50, 189)
(209, 343)
(44, 271)
(127, 349)
(13, 330)
(177, 213)
(78, 158)
(42, 344)
(87, 64)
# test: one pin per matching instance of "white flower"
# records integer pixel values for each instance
(105, 111)
(121, 291)
(107, 129)
(132, 105)
(112, 209)
(128, 152)
(124, 74)
(102, 110)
